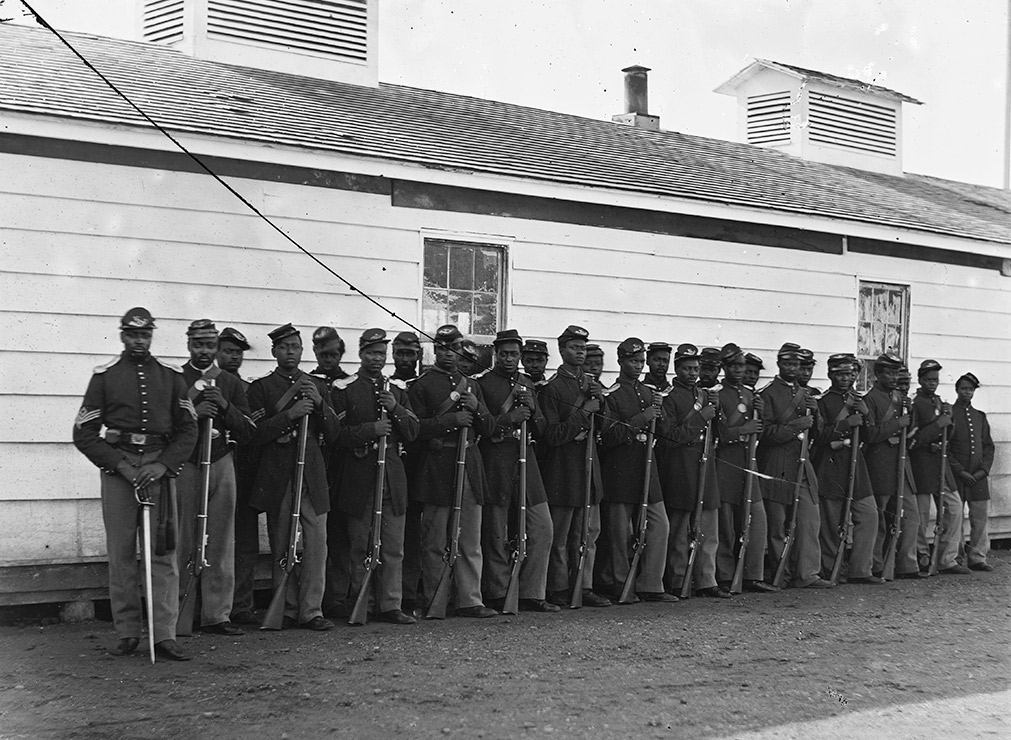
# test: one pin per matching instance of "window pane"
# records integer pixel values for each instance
(892, 339)
(461, 268)
(436, 255)
(461, 311)
(433, 309)
(486, 270)
(864, 346)
(485, 313)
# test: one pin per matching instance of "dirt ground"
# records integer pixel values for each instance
(705, 668)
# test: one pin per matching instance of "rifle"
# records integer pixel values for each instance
(198, 556)
(576, 600)
(627, 596)
(737, 584)
(888, 568)
(360, 612)
(939, 530)
(844, 522)
(697, 536)
(511, 605)
(791, 530)
(146, 504)
(440, 599)
(274, 618)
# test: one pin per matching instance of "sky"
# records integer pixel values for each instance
(567, 56)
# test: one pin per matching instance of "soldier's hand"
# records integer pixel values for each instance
(301, 407)
(387, 401)
(126, 470)
(945, 408)
(810, 402)
(206, 409)
(463, 418)
(944, 420)
(967, 478)
(594, 388)
(861, 407)
(707, 412)
(855, 420)
(148, 473)
(382, 427)
(215, 396)
(904, 421)
(803, 422)
(469, 401)
(519, 414)
(751, 427)
(524, 397)
(657, 399)
(649, 413)
(759, 403)
(592, 405)
(311, 392)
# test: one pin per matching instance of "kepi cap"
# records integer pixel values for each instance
(686, 352)
(507, 335)
(731, 353)
(630, 347)
(709, 356)
(136, 318)
(228, 334)
(326, 334)
(535, 347)
(926, 366)
(469, 350)
(806, 356)
(789, 351)
(887, 361)
(447, 334)
(372, 336)
(202, 328)
(407, 339)
(573, 332)
(654, 347)
(971, 378)
(283, 332)
(841, 361)
(754, 361)
(594, 350)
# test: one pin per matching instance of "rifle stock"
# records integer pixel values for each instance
(791, 531)
(737, 583)
(844, 522)
(511, 605)
(198, 556)
(274, 618)
(888, 567)
(939, 530)
(440, 599)
(576, 599)
(360, 612)
(697, 536)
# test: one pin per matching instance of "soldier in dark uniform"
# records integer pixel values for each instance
(279, 401)
(806, 371)
(232, 346)
(535, 359)
(221, 397)
(150, 431)
(446, 402)
(888, 414)
(753, 368)
(790, 411)
(594, 363)
(629, 409)
(687, 411)
(931, 417)
(971, 456)
(739, 417)
(469, 360)
(841, 412)
(357, 400)
(329, 348)
(568, 400)
(406, 356)
(709, 367)
(510, 398)
(657, 365)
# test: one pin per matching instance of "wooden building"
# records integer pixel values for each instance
(441, 207)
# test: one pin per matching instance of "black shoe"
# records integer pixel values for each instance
(957, 570)
(288, 623)
(170, 649)
(317, 624)
(914, 574)
(245, 618)
(984, 567)
(659, 597)
(558, 598)
(760, 587)
(714, 592)
(538, 605)
(477, 612)
(396, 616)
(869, 580)
(223, 628)
(496, 604)
(820, 583)
(125, 646)
(340, 610)
(594, 599)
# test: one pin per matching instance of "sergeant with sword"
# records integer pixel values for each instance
(376, 417)
(206, 486)
(150, 431)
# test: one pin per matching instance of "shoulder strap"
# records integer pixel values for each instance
(790, 410)
(283, 401)
(452, 398)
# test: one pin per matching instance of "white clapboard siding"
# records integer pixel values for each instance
(985, 324)
(45, 472)
(60, 530)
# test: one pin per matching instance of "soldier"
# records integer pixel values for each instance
(232, 346)
(740, 417)
(406, 356)
(469, 360)
(931, 418)
(510, 398)
(594, 363)
(569, 400)
(657, 364)
(631, 409)
(972, 451)
(446, 402)
(753, 368)
(688, 411)
(535, 359)
(328, 347)
(903, 381)
(150, 431)
(806, 371)
(709, 367)
(279, 401)
(218, 396)
(357, 400)
(842, 411)
(789, 414)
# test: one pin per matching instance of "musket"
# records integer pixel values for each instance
(511, 605)
(791, 531)
(628, 589)
(440, 599)
(274, 618)
(146, 504)
(844, 523)
(360, 612)
(696, 535)
(198, 556)
(888, 567)
(579, 572)
(939, 530)
(737, 584)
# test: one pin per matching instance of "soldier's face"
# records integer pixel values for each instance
(751, 375)
(594, 365)
(687, 371)
(804, 373)
(373, 359)
(202, 351)
(631, 367)
(659, 363)
(930, 380)
(887, 377)
(446, 356)
(466, 365)
(405, 358)
(709, 373)
(136, 342)
(573, 352)
(288, 353)
(902, 385)
(788, 369)
(229, 357)
(329, 356)
(507, 357)
(842, 380)
(534, 363)
(965, 391)
(735, 371)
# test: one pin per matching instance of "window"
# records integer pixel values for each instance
(882, 326)
(464, 285)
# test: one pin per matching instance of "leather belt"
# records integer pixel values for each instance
(117, 436)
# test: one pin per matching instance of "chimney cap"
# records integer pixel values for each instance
(636, 68)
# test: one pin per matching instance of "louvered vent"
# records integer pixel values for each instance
(163, 21)
(769, 118)
(848, 123)
(336, 29)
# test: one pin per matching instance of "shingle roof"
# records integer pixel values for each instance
(455, 132)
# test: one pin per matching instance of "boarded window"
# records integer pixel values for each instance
(464, 285)
(883, 326)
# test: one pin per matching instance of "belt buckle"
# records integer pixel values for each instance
(137, 439)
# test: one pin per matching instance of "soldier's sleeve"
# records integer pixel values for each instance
(559, 430)
(617, 430)
(88, 427)
(484, 422)
(184, 428)
(537, 421)
(237, 416)
(773, 431)
(681, 431)
(988, 447)
(350, 435)
(877, 429)
(269, 426)
(404, 419)
(925, 423)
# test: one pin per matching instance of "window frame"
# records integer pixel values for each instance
(865, 378)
